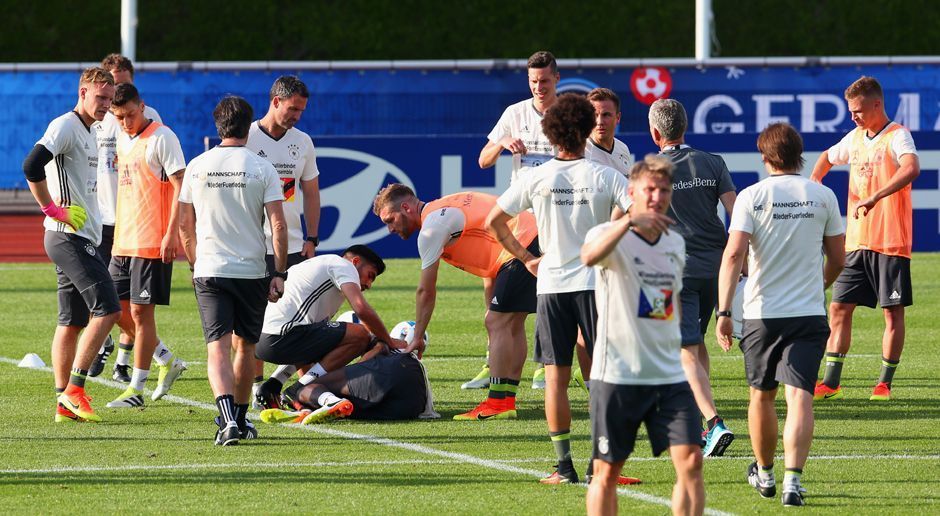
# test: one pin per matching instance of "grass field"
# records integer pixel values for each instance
(867, 458)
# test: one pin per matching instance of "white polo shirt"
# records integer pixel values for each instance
(312, 293)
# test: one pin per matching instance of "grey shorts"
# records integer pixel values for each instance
(83, 285)
(228, 305)
(668, 411)
(305, 344)
(559, 317)
(514, 286)
(698, 297)
(144, 281)
(786, 350)
(869, 278)
(387, 388)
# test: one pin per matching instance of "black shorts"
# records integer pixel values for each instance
(107, 242)
(306, 344)
(84, 287)
(514, 286)
(387, 387)
(557, 323)
(698, 297)
(786, 350)
(229, 305)
(292, 259)
(869, 278)
(669, 411)
(144, 281)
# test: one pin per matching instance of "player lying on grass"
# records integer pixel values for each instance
(298, 331)
(384, 385)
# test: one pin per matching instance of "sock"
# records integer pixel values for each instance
(162, 354)
(833, 374)
(791, 479)
(258, 379)
(241, 410)
(562, 442)
(511, 387)
(887, 370)
(498, 388)
(327, 398)
(125, 350)
(139, 378)
(315, 372)
(226, 405)
(77, 378)
(58, 390)
(283, 373)
(712, 422)
(765, 473)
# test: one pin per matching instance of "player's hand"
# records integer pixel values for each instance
(865, 206)
(533, 266)
(513, 145)
(398, 344)
(651, 221)
(417, 344)
(276, 290)
(75, 216)
(308, 250)
(169, 246)
(723, 329)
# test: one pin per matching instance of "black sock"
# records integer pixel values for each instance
(833, 375)
(887, 370)
(226, 405)
(78, 376)
(712, 422)
(562, 442)
(241, 410)
(259, 378)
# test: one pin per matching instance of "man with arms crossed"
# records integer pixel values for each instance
(569, 195)
(637, 375)
(789, 222)
(452, 228)
(227, 194)
(107, 132)
(700, 182)
(146, 235)
(62, 174)
(291, 151)
(519, 130)
(883, 163)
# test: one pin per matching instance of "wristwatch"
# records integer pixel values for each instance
(282, 275)
(722, 313)
(314, 239)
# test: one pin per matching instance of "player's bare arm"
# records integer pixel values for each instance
(731, 263)
(821, 168)
(311, 190)
(169, 246)
(907, 172)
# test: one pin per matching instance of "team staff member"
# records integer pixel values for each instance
(62, 174)
(569, 195)
(291, 151)
(637, 374)
(227, 194)
(700, 182)
(789, 223)
(519, 130)
(107, 132)
(883, 164)
(452, 228)
(146, 235)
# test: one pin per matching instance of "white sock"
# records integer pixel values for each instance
(162, 354)
(283, 373)
(124, 355)
(327, 398)
(139, 378)
(315, 372)
(765, 474)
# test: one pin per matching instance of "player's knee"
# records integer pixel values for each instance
(840, 310)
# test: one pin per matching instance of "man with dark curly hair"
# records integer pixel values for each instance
(569, 196)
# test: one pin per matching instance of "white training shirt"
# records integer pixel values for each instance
(439, 230)
(569, 197)
(164, 154)
(311, 293)
(72, 175)
(521, 120)
(619, 158)
(787, 216)
(638, 336)
(901, 143)
(228, 187)
(295, 160)
(107, 132)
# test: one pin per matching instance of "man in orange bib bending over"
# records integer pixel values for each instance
(453, 228)
(883, 163)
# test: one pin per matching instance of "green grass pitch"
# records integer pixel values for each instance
(867, 458)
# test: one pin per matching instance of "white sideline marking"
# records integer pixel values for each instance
(417, 448)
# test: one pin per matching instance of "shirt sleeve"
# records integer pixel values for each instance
(436, 231)
(725, 183)
(834, 224)
(273, 191)
(839, 153)
(903, 143)
(741, 218)
(503, 127)
(58, 139)
(168, 152)
(515, 200)
(310, 171)
(342, 273)
(620, 188)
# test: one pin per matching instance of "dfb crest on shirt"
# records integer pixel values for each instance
(294, 151)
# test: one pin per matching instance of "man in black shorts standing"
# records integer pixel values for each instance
(226, 195)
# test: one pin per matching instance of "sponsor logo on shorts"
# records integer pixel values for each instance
(603, 445)
(494, 301)
(90, 249)
(144, 294)
(333, 324)
(894, 296)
